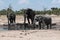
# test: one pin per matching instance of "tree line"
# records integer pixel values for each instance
(53, 10)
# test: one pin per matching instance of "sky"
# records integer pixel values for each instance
(33, 4)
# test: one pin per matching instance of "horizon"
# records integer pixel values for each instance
(33, 4)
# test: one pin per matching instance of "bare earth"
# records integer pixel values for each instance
(30, 34)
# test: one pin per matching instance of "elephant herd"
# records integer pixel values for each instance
(31, 15)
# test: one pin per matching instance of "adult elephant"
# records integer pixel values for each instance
(30, 15)
(11, 18)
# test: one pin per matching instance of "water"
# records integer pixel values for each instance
(3, 29)
(19, 27)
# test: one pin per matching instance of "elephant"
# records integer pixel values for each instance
(47, 21)
(30, 15)
(11, 18)
(36, 19)
(43, 20)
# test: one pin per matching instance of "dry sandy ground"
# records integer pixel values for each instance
(29, 34)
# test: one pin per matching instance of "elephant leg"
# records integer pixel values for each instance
(43, 22)
(32, 21)
(28, 20)
(50, 24)
(8, 24)
(47, 26)
(34, 25)
(39, 25)
(13, 21)
(10, 21)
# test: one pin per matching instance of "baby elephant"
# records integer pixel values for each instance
(11, 18)
(45, 21)
(42, 20)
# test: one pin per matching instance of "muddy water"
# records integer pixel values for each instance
(5, 28)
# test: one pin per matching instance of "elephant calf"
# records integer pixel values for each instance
(11, 18)
(43, 20)
(47, 21)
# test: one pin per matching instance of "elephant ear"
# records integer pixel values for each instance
(43, 21)
(8, 15)
(40, 19)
